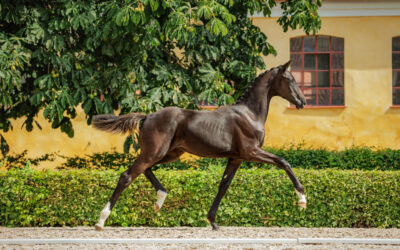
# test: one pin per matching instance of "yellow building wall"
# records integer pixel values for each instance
(86, 140)
(367, 120)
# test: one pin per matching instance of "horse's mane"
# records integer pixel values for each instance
(249, 88)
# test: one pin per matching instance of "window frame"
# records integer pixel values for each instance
(395, 70)
(330, 69)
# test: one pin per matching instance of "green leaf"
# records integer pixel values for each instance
(155, 94)
(46, 112)
(154, 4)
(219, 27)
(208, 74)
(99, 105)
(66, 127)
(36, 98)
(204, 11)
(175, 98)
(87, 105)
(127, 144)
(119, 16)
(60, 112)
(4, 146)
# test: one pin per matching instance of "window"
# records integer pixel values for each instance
(318, 67)
(396, 70)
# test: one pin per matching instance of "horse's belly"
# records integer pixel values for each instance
(202, 143)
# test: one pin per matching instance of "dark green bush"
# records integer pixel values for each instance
(21, 160)
(363, 158)
(100, 161)
(257, 197)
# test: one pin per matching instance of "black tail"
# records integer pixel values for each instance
(118, 124)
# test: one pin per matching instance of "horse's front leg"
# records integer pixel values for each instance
(259, 155)
(227, 177)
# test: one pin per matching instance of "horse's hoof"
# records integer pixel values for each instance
(98, 227)
(214, 227)
(156, 208)
(213, 224)
(302, 205)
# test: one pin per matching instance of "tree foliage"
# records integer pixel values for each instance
(132, 55)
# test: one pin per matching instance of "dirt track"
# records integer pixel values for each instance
(190, 232)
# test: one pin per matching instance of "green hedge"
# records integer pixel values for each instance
(257, 197)
(364, 158)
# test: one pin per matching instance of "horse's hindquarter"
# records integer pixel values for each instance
(159, 131)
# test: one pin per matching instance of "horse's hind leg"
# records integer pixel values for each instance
(161, 192)
(227, 177)
(154, 141)
(262, 156)
(126, 178)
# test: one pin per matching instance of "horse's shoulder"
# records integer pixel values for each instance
(246, 120)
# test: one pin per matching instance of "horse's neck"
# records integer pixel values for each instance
(258, 99)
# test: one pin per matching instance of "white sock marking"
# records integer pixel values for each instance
(302, 197)
(161, 195)
(104, 215)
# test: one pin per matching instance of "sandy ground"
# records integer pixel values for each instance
(196, 232)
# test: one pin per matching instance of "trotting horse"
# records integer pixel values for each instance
(236, 132)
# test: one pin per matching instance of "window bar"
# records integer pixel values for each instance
(395, 101)
(330, 71)
(302, 64)
(316, 72)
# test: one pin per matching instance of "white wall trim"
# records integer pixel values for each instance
(349, 8)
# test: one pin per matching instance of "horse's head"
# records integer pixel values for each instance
(284, 85)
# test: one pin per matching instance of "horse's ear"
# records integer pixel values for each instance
(285, 66)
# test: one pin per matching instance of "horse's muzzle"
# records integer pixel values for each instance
(300, 103)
